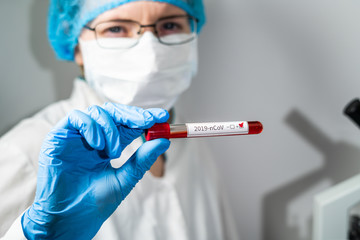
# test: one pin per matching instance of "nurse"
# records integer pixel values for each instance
(66, 170)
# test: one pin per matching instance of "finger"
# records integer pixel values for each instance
(111, 132)
(129, 134)
(134, 169)
(160, 115)
(86, 126)
(134, 117)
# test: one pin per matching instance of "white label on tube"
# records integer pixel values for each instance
(217, 129)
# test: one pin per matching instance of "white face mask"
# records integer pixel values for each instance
(147, 75)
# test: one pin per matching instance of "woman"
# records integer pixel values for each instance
(135, 55)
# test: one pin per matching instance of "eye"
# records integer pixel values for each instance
(116, 29)
(169, 26)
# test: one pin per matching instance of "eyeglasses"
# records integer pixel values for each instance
(123, 34)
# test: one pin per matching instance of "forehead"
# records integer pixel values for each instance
(145, 12)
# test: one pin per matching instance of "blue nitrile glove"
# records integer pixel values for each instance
(77, 188)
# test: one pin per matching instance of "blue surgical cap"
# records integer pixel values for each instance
(68, 17)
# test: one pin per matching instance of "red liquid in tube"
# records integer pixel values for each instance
(212, 129)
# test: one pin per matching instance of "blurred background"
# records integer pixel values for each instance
(291, 64)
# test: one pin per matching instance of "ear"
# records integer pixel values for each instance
(78, 56)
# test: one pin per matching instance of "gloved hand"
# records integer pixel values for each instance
(77, 188)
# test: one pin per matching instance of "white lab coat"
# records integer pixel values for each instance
(187, 203)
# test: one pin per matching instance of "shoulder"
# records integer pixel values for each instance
(25, 139)
(28, 135)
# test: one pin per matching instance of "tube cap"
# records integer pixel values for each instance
(255, 127)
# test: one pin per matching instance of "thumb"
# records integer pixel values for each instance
(134, 169)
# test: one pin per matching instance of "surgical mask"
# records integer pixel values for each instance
(147, 75)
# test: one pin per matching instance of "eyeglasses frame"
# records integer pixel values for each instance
(149, 25)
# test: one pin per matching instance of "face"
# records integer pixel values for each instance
(144, 12)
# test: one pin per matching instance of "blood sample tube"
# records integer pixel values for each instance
(211, 129)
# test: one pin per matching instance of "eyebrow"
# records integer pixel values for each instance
(130, 20)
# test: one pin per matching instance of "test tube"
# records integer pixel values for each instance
(210, 129)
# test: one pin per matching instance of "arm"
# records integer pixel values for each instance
(17, 182)
(77, 188)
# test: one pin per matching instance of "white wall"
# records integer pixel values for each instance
(31, 77)
(291, 64)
